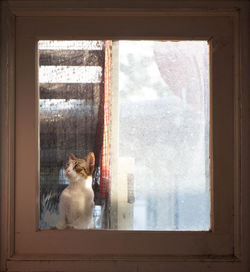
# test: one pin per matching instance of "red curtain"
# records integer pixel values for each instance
(105, 157)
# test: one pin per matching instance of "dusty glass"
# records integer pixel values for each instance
(163, 148)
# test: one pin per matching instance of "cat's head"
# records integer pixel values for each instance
(76, 167)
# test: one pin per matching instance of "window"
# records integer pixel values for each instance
(27, 82)
(111, 249)
(160, 120)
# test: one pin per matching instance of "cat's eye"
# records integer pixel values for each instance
(76, 166)
(142, 107)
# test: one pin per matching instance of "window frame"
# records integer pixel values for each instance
(28, 32)
(16, 254)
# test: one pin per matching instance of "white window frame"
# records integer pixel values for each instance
(23, 247)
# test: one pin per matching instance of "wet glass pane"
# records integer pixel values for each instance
(71, 102)
(140, 110)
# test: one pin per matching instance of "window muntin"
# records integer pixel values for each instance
(161, 122)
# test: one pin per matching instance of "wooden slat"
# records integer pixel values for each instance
(72, 57)
(70, 90)
(63, 140)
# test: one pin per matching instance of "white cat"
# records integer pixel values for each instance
(77, 199)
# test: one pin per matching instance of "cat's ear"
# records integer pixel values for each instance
(72, 157)
(91, 161)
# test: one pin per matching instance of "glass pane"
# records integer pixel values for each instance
(164, 134)
(138, 111)
(71, 97)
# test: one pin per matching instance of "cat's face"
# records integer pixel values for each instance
(80, 167)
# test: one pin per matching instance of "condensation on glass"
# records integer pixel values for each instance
(142, 107)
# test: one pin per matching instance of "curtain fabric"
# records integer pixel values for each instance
(105, 159)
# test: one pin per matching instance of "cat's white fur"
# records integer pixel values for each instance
(76, 202)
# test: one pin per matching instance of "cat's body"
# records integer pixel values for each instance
(77, 200)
